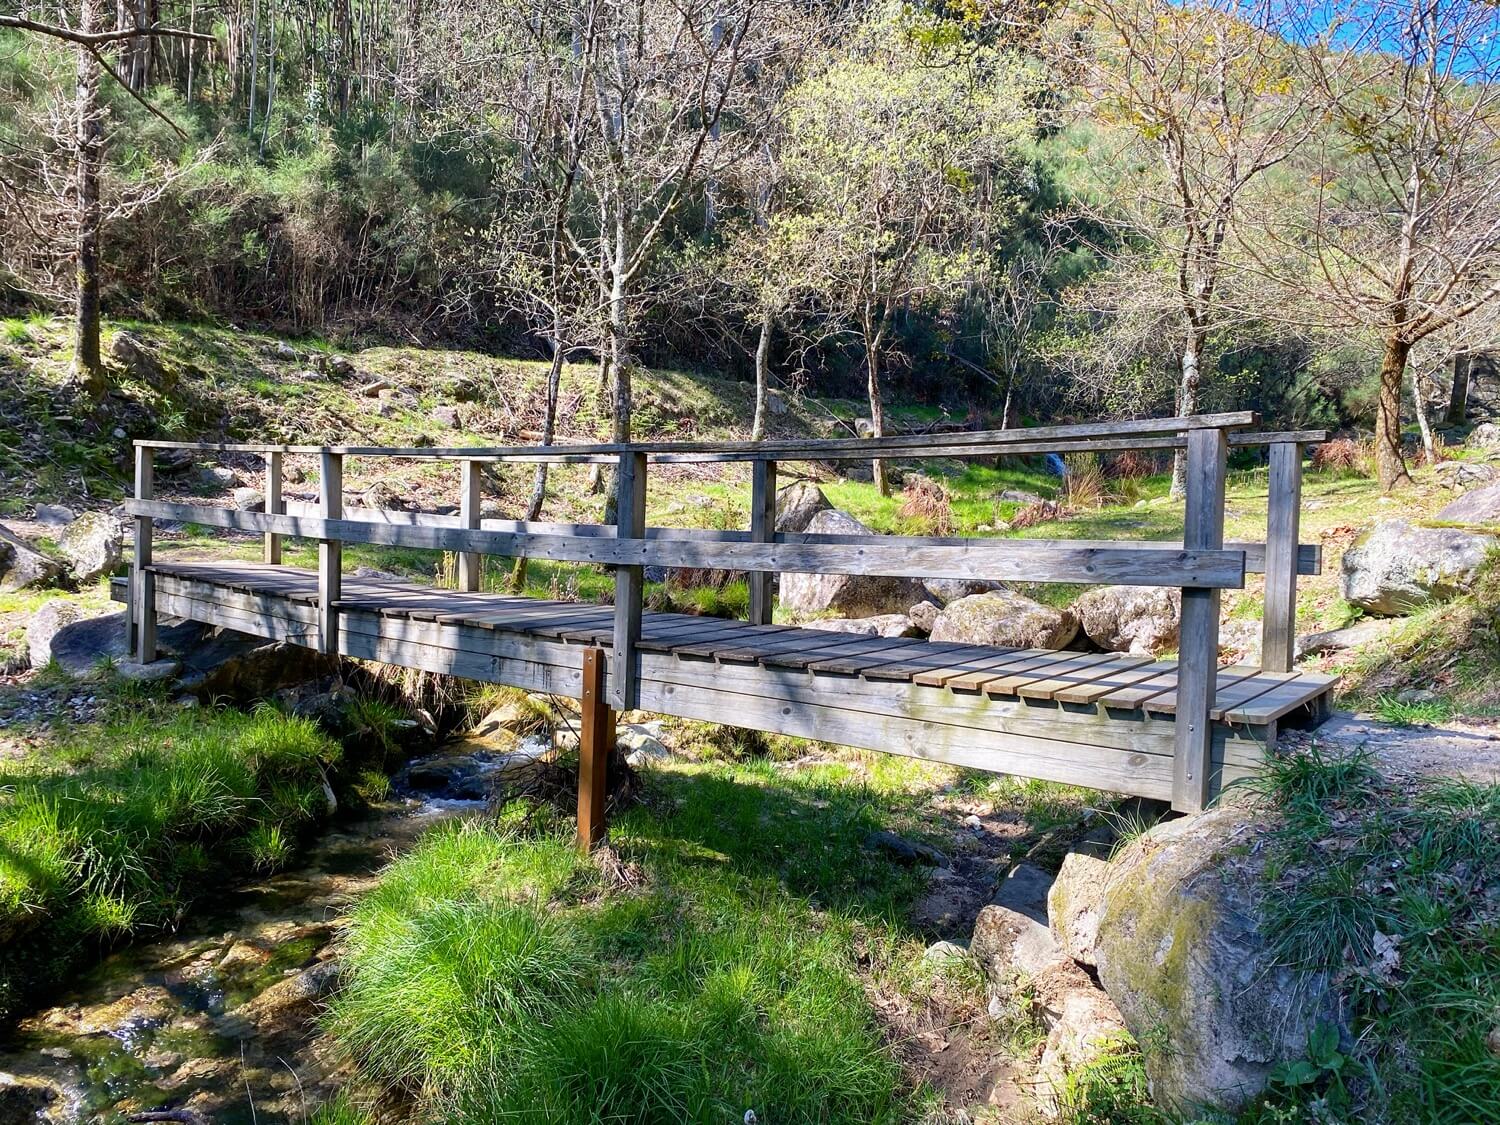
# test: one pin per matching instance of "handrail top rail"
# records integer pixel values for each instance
(954, 443)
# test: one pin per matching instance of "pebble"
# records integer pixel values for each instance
(973, 821)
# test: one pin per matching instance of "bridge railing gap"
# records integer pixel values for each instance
(1202, 564)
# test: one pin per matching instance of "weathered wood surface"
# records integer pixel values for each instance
(1106, 680)
(1014, 559)
(1283, 515)
(1309, 555)
(1198, 637)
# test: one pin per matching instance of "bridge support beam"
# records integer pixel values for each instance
(596, 740)
(143, 586)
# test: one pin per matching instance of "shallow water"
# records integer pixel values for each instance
(219, 1018)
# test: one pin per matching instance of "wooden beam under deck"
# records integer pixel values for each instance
(1073, 725)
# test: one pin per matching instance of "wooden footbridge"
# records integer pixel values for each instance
(1176, 730)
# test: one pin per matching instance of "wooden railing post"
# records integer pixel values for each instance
(1198, 647)
(468, 511)
(595, 740)
(630, 523)
(330, 551)
(274, 504)
(762, 530)
(143, 582)
(1278, 640)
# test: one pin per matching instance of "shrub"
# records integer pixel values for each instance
(1344, 455)
(925, 503)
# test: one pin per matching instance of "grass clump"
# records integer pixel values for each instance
(1385, 887)
(711, 969)
(116, 829)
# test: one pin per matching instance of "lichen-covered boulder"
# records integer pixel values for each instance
(881, 625)
(947, 590)
(93, 545)
(851, 595)
(923, 616)
(1137, 619)
(1005, 619)
(1075, 903)
(23, 566)
(1462, 476)
(1181, 951)
(1477, 506)
(797, 504)
(1486, 435)
(1397, 567)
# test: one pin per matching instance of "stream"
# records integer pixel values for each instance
(221, 1017)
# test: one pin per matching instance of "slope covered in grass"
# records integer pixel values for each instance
(114, 828)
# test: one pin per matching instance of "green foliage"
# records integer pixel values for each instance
(115, 829)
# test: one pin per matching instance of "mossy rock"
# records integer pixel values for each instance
(1182, 951)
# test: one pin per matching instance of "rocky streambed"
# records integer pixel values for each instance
(220, 1019)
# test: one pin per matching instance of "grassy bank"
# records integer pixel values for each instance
(114, 828)
(732, 959)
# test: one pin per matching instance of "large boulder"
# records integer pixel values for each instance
(797, 504)
(1138, 619)
(852, 595)
(1005, 619)
(1461, 476)
(1181, 951)
(1485, 436)
(22, 566)
(1396, 567)
(62, 631)
(947, 590)
(93, 545)
(44, 628)
(1477, 506)
(881, 625)
(139, 361)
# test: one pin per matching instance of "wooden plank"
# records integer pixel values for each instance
(1049, 687)
(330, 550)
(967, 666)
(757, 647)
(1033, 661)
(1304, 689)
(1019, 559)
(630, 519)
(848, 646)
(271, 548)
(935, 656)
(595, 741)
(1009, 680)
(892, 665)
(1247, 690)
(1198, 636)
(1283, 512)
(143, 616)
(762, 530)
(1114, 681)
(469, 562)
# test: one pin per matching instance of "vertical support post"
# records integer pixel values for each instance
(596, 739)
(1278, 639)
(274, 504)
(1198, 647)
(330, 550)
(468, 512)
(762, 530)
(630, 523)
(143, 582)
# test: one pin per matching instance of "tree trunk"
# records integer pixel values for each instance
(1390, 466)
(1008, 410)
(877, 408)
(1187, 401)
(1458, 398)
(762, 376)
(1429, 443)
(88, 368)
(619, 339)
(549, 429)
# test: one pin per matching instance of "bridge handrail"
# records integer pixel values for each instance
(1201, 565)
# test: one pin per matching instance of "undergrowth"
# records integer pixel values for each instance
(116, 828)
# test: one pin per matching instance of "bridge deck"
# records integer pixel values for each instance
(1099, 719)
